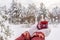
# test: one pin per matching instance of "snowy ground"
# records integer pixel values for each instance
(54, 35)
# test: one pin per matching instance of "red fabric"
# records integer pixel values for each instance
(37, 33)
(42, 25)
(24, 36)
(20, 37)
(36, 36)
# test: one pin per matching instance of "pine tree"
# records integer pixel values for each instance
(43, 10)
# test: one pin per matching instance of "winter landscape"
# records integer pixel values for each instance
(16, 19)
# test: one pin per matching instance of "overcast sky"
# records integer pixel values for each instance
(48, 3)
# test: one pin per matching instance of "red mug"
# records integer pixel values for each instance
(42, 25)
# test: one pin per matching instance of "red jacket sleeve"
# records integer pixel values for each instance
(24, 36)
(21, 37)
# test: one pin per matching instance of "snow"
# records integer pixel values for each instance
(18, 29)
(55, 33)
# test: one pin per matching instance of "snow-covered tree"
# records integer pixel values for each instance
(42, 12)
(31, 9)
(16, 12)
(56, 13)
(4, 29)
